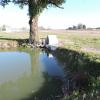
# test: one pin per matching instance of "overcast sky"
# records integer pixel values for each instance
(75, 11)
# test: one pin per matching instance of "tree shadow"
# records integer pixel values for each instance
(78, 62)
(51, 90)
(82, 72)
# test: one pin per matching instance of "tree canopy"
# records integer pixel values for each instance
(35, 6)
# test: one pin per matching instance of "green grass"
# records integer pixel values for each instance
(6, 36)
(74, 40)
(89, 42)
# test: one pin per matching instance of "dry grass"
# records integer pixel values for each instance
(16, 35)
(78, 40)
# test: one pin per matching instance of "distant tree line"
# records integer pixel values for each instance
(98, 28)
(3, 28)
(76, 27)
(9, 28)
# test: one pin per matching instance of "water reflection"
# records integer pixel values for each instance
(13, 65)
(50, 65)
(19, 77)
(28, 74)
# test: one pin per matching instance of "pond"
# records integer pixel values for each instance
(36, 74)
(29, 75)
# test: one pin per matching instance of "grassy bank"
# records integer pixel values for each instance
(81, 41)
(87, 41)
(13, 36)
(82, 73)
(10, 40)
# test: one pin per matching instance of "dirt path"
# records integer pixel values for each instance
(89, 49)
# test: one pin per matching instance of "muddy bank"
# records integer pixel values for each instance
(13, 43)
(8, 44)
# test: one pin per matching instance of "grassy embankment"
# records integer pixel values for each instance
(77, 40)
(10, 40)
(81, 41)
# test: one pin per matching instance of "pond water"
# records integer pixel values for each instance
(25, 74)
(35, 74)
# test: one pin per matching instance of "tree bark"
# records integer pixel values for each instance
(33, 38)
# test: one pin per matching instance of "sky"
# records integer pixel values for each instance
(75, 11)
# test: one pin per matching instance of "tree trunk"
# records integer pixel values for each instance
(33, 38)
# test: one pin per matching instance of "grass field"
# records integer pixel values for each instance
(12, 36)
(86, 41)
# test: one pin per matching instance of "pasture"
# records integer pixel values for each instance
(85, 41)
(79, 40)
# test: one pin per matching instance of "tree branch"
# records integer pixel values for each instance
(51, 2)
